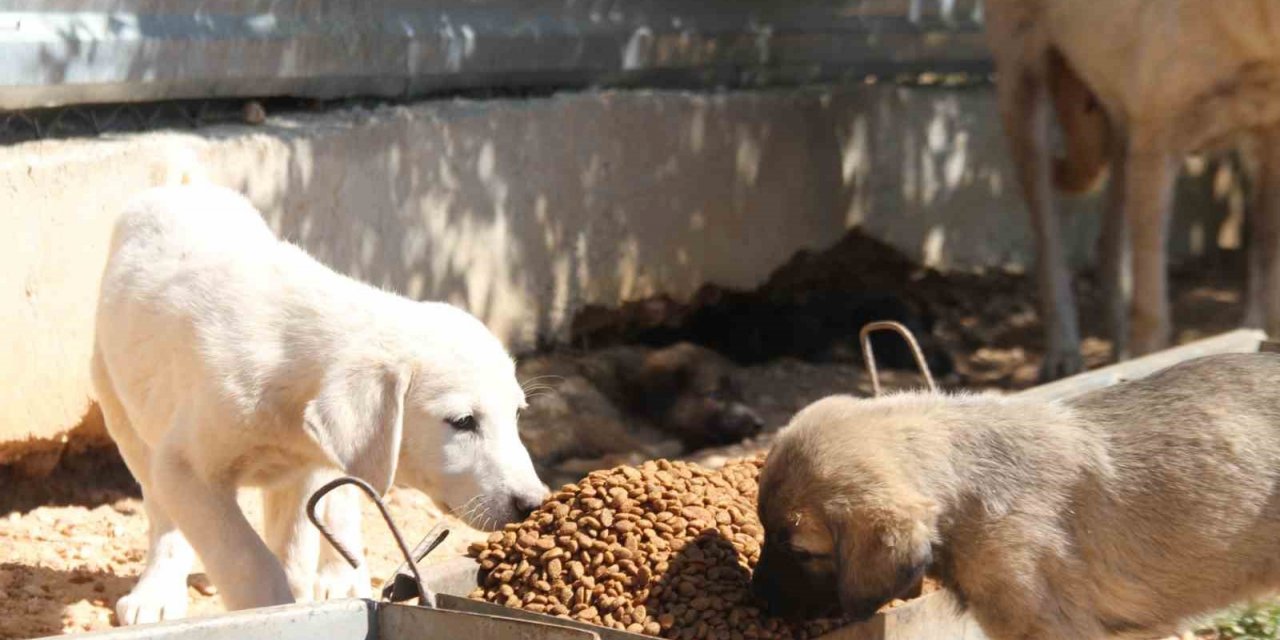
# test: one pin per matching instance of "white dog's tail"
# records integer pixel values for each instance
(181, 167)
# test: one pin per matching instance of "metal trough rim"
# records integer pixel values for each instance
(1237, 341)
(453, 579)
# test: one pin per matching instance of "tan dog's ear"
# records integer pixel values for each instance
(881, 554)
(357, 418)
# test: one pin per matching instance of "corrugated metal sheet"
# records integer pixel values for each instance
(58, 53)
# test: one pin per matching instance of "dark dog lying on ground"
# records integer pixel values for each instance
(1120, 513)
(752, 327)
(685, 390)
(819, 326)
(659, 402)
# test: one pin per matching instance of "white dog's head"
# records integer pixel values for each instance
(440, 417)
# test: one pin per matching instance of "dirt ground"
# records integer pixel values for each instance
(72, 543)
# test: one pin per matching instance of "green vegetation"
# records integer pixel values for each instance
(1249, 622)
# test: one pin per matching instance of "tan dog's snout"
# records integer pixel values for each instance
(844, 532)
(786, 585)
(866, 571)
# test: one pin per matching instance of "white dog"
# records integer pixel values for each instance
(227, 358)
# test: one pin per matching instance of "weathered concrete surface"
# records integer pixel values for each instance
(522, 211)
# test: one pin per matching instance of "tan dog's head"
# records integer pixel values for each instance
(844, 531)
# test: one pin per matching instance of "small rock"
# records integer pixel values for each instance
(254, 113)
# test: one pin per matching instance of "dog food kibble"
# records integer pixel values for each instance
(665, 549)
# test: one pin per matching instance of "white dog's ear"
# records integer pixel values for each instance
(357, 418)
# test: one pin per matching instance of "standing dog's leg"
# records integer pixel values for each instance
(1025, 109)
(161, 590)
(1264, 244)
(1248, 160)
(1148, 194)
(238, 561)
(1113, 254)
(314, 569)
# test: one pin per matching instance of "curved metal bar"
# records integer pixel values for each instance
(869, 356)
(394, 588)
(425, 596)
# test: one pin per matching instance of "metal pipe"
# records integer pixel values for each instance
(93, 51)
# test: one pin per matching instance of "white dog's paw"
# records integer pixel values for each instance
(338, 580)
(152, 605)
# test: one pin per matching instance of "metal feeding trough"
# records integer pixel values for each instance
(444, 610)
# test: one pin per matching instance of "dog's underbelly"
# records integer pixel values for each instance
(1247, 100)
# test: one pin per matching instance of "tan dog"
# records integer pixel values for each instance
(1136, 84)
(1120, 513)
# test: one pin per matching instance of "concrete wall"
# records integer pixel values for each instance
(522, 211)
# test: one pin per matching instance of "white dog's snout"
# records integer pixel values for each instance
(526, 491)
(524, 505)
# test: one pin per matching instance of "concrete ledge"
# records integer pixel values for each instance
(525, 210)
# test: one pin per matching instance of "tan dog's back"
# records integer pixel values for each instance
(1169, 507)
(1122, 512)
(1188, 507)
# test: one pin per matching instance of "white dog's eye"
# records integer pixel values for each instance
(463, 423)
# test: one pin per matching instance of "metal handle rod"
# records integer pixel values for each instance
(391, 589)
(425, 596)
(870, 357)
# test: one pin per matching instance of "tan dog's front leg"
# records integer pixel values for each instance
(238, 561)
(1025, 109)
(1148, 194)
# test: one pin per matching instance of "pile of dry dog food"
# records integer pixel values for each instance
(665, 549)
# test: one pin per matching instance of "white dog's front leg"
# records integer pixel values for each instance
(238, 561)
(314, 569)
(336, 577)
(291, 537)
